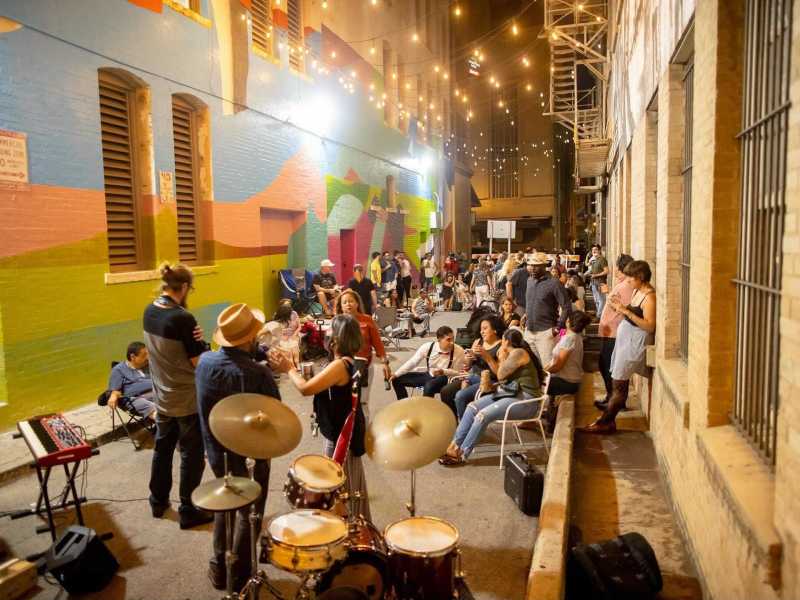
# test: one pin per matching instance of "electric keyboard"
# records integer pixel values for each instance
(53, 440)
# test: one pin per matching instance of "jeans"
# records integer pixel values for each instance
(404, 289)
(430, 385)
(240, 519)
(599, 297)
(606, 350)
(483, 411)
(457, 399)
(170, 432)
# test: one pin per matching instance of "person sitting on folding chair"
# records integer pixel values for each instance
(520, 376)
(130, 384)
(325, 285)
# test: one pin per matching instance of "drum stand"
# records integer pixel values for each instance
(258, 578)
(411, 506)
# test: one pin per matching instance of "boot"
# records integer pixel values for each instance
(606, 423)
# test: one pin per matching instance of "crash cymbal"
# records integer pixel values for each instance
(218, 495)
(255, 425)
(410, 433)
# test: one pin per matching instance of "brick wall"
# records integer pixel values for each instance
(787, 486)
(739, 517)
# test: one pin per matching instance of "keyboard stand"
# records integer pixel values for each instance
(44, 496)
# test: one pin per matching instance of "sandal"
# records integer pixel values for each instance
(452, 461)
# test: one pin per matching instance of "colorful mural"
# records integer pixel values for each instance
(280, 194)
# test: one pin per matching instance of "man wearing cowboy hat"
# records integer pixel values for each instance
(232, 370)
(324, 284)
(544, 296)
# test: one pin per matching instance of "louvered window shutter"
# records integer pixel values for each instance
(262, 25)
(296, 43)
(119, 174)
(184, 135)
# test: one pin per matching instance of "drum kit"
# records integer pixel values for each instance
(336, 553)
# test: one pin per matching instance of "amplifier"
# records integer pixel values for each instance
(524, 483)
(80, 561)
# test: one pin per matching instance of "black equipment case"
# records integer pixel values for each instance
(623, 568)
(524, 483)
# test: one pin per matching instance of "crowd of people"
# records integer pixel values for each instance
(530, 315)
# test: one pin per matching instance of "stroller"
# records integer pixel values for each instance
(296, 286)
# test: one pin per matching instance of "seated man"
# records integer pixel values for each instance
(130, 384)
(325, 285)
(442, 359)
(421, 312)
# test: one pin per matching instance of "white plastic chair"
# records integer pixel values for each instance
(517, 422)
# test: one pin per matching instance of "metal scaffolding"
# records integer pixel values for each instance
(578, 75)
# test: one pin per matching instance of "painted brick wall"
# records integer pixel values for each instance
(60, 323)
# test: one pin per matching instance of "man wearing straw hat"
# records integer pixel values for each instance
(232, 370)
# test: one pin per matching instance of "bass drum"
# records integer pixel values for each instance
(365, 566)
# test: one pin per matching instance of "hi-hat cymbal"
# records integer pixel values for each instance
(410, 433)
(255, 425)
(218, 495)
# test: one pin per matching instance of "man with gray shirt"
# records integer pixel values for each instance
(171, 337)
(543, 298)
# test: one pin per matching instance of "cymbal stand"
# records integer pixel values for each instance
(308, 586)
(258, 578)
(411, 506)
(230, 557)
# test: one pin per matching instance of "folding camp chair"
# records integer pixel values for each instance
(388, 325)
(127, 416)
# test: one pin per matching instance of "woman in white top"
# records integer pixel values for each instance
(566, 366)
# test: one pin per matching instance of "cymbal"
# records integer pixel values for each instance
(255, 426)
(217, 496)
(410, 433)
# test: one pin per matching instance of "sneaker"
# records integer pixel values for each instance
(194, 518)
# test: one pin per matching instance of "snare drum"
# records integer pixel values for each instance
(315, 481)
(423, 558)
(365, 566)
(304, 541)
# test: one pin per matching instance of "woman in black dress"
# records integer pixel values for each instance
(447, 291)
(332, 391)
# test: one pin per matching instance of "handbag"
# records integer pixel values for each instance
(508, 389)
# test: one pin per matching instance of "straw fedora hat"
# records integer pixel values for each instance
(540, 258)
(238, 324)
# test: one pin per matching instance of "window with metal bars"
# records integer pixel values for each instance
(296, 43)
(688, 103)
(184, 133)
(118, 140)
(765, 121)
(261, 12)
(503, 153)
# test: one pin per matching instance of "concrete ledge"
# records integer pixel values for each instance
(547, 576)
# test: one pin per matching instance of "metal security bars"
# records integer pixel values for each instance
(686, 172)
(762, 206)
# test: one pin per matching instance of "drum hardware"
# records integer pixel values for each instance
(255, 426)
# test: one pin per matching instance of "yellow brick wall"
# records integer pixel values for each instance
(787, 483)
(741, 521)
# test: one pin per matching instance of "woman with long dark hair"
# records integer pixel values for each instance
(520, 374)
(332, 391)
(634, 334)
(481, 356)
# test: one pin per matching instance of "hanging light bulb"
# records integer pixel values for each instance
(324, 4)
(333, 53)
(415, 37)
(514, 29)
(457, 11)
(528, 87)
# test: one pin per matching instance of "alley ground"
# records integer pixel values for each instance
(158, 561)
